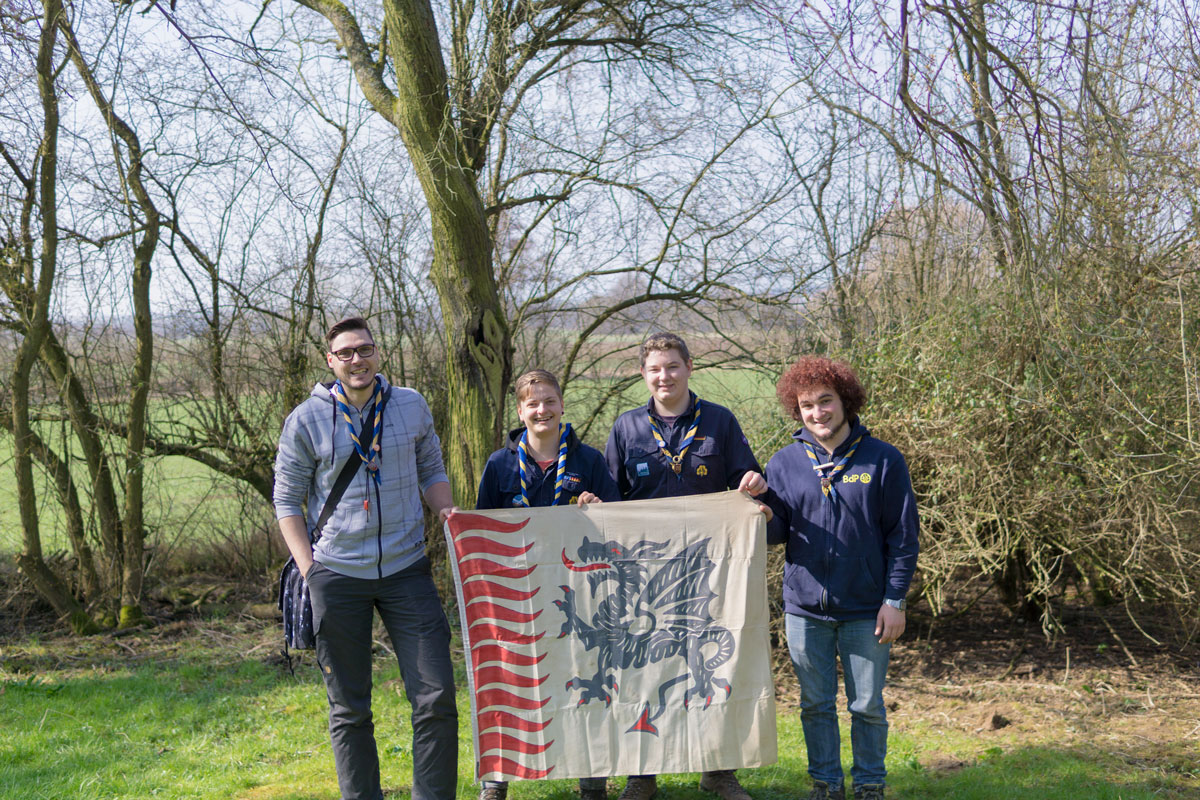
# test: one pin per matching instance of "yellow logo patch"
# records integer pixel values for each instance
(701, 470)
(863, 477)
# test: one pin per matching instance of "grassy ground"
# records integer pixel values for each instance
(205, 708)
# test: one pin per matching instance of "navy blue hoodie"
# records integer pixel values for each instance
(586, 472)
(844, 557)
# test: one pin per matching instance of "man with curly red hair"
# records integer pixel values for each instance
(845, 508)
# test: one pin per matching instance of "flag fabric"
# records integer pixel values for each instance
(616, 638)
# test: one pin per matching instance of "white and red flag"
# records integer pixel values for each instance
(616, 638)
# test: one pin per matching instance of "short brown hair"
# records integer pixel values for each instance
(812, 371)
(660, 341)
(525, 383)
(348, 324)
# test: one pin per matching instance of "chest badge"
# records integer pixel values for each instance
(701, 470)
(643, 469)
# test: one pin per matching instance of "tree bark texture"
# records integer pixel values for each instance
(32, 302)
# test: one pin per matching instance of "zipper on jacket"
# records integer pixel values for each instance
(831, 540)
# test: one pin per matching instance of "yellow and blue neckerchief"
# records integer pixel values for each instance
(343, 404)
(675, 461)
(828, 480)
(523, 464)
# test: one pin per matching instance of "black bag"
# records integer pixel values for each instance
(294, 602)
(298, 633)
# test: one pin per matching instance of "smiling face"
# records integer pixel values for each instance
(822, 413)
(358, 374)
(540, 408)
(666, 373)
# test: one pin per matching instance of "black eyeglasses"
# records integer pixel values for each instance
(347, 353)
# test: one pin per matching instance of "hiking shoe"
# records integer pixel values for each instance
(724, 784)
(496, 791)
(640, 788)
(868, 791)
(593, 793)
(821, 791)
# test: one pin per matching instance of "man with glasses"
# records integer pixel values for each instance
(370, 554)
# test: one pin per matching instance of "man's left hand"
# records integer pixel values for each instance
(889, 624)
(753, 484)
(444, 513)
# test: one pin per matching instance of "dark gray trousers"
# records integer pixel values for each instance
(408, 604)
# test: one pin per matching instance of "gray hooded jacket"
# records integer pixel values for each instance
(374, 532)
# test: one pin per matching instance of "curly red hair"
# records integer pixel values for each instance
(812, 371)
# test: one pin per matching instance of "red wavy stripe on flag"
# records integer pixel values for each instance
(494, 652)
(502, 741)
(473, 590)
(475, 545)
(482, 566)
(506, 766)
(460, 523)
(489, 610)
(498, 697)
(501, 675)
(482, 631)
(503, 719)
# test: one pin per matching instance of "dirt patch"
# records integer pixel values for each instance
(1097, 684)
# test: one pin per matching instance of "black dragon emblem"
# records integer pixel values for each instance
(648, 615)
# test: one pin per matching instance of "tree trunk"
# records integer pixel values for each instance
(134, 567)
(90, 586)
(33, 304)
(137, 199)
(88, 430)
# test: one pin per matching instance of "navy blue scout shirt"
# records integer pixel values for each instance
(716, 461)
(586, 472)
(844, 556)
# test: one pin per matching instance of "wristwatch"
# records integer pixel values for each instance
(899, 605)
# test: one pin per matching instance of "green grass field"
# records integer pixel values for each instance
(184, 500)
(206, 710)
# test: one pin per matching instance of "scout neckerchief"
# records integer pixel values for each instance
(372, 444)
(523, 463)
(676, 461)
(828, 479)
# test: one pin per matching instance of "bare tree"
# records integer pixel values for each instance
(453, 86)
(1044, 171)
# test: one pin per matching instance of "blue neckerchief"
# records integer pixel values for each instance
(523, 464)
(828, 480)
(676, 461)
(343, 404)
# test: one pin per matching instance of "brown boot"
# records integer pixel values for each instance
(724, 784)
(640, 787)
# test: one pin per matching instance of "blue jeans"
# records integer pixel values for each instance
(814, 646)
(343, 614)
